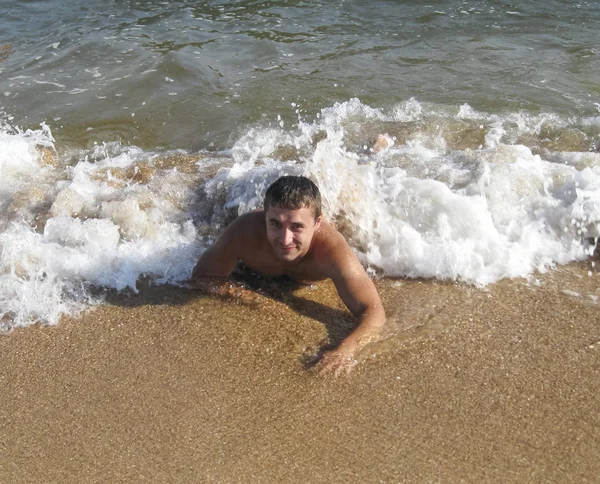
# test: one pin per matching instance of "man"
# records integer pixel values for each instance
(289, 237)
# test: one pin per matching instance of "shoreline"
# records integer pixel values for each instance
(483, 385)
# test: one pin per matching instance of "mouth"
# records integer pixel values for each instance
(286, 249)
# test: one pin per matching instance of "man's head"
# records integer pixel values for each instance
(293, 214)
(294, 192)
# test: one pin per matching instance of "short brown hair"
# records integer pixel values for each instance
(292, 193)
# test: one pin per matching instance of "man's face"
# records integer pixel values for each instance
(290, 232)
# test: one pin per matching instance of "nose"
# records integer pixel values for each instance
(287, 238)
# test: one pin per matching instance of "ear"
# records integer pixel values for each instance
(318, 222)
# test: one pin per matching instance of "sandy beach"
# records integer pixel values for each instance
(477, 385)
(450, 141)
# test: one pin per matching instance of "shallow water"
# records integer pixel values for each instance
(456, 141)
(185, 75)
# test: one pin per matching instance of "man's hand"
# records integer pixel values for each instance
(335, 362)
(342, 359)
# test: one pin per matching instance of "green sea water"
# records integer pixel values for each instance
(451, 140)
(194, 75)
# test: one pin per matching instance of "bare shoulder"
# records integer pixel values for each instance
(328, 236)
(241, 237)
(246, 227)
(254, 221)
(332, 251)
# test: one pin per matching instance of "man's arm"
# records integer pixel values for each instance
(216, 263)
(220, 259)
(358, 293)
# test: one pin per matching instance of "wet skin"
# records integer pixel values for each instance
(292, 243)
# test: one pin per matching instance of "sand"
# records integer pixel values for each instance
(500, 384)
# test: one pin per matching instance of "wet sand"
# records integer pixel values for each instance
(500, 384)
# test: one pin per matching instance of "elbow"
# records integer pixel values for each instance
(373, 315)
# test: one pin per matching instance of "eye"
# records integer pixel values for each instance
(274, 223)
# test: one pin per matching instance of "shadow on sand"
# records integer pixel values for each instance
(338, 323)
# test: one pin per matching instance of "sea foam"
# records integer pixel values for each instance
(97, 226)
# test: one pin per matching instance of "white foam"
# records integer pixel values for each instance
(101, 230)
(18, 155)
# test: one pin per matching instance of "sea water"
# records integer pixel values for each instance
(450, 140)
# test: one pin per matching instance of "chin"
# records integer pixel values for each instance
(288, 257)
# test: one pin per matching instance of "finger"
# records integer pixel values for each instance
(330, 366)
(324, 366)
(343, 368)
(326, 370)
